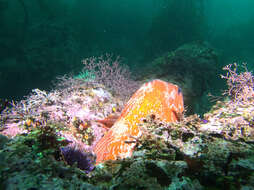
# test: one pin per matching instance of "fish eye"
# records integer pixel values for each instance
(179, 90)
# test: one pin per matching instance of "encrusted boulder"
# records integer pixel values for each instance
(194, 67)
(192, 151)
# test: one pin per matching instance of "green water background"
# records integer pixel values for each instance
(42, 39)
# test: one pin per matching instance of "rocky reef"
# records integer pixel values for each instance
(47, 142)
(191, 154)
(211, 153)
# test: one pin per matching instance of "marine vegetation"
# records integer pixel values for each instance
(78, 137)
(240, 85)
(109, 71)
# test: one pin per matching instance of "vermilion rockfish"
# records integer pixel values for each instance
(161, 99)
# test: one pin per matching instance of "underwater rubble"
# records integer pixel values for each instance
(46, 142)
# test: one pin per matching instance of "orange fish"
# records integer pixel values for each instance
(159, 98)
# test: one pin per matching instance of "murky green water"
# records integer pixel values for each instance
(41, 39)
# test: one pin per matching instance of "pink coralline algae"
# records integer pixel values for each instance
(77, 113)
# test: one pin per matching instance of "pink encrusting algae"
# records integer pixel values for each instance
(161, 99)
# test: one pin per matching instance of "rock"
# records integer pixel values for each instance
(194, 67)
(3, 141)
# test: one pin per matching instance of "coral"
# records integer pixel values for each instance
(110, 72)
(240, 85)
